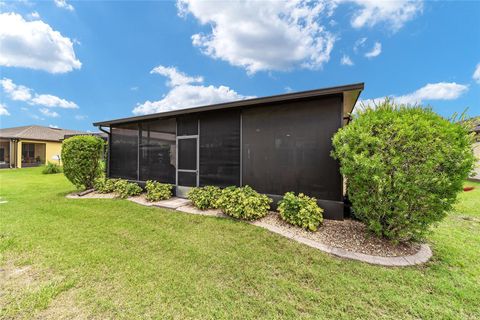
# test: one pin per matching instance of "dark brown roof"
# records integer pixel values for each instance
(247, 102)
(37, 133)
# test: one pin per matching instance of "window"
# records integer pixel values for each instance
(220, 148)
(157, 151)
(124, 151)
(28, 152)
(286, 147)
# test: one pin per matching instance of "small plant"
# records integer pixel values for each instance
(205, 197)
(103, 185)
(301, 211)
(125, 189)
(157, 191)
(81, 156)
(243, 203)
(51, 168)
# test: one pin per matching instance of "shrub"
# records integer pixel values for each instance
(157, 191)
(51, 168)
(81, 156)
(243, 203)
(205, 197)
(125, 189)
(301, 211)
(103, 185)
(404, 167)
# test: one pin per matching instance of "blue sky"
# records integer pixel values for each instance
(68, 64)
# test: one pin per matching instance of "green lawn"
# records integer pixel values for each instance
(96, 258)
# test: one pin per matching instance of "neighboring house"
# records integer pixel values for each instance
(476, 150)
(30, 146)
(274, 144)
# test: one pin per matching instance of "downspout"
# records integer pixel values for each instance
(107, 167)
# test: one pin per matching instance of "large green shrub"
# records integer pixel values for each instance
(404, 167)
(205, 197)
(103, 185)
(157, 191)
(243, 203)
(81, 156)
(125, 189)
(301, 210)
(51, 168)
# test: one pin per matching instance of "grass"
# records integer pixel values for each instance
(99, 258)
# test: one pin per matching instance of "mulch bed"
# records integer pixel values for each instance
(348, 234)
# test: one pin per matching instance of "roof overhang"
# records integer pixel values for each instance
(350, 93)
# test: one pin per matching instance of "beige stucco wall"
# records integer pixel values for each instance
(51, 149)
(476, 150)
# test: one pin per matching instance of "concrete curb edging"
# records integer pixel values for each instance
(422, 256)
(183, 205)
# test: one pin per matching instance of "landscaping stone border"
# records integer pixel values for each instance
(183, 205)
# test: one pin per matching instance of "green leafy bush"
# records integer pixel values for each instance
(103, 185)
(157, 191)
(205, 197)
(404, 167)
(51, 168)
(243, 203)
(301, 210)
(81, 156)
(125, 189)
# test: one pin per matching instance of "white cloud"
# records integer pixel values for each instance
(376, 50)
(393, 13)
(22, 93)
(183, 94)
(34, 45)
(15, 92)
(48, 113)
(50, 101)
(175, 77)
(3, 110)
(476, 74)
(33, 15)
(431, 91)
(53, 126)
(64, 5)
(263, 35)
(80, 117)
(346, 61)
(360, 43)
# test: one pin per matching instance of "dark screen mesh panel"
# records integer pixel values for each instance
(187, 179)
(124, 148)
(287, 147)
(220, 149)
(187, 154)
(187, 125)
(157, 151)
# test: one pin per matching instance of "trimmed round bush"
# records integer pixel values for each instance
(205, 197)
(157, 191)
(301, 210)
(243, 203)
(103, 185)
(125, 189)
(81, 156)
(404, 167)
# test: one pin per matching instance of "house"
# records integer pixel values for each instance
(30, 146)
(274, 144)
(476, 151)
